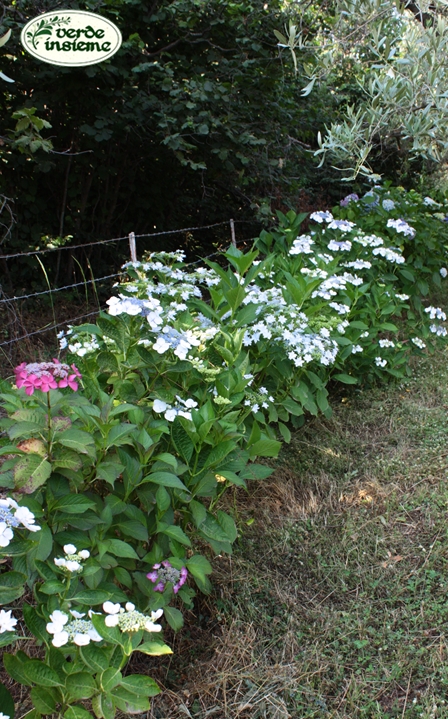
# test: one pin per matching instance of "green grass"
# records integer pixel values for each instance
(335, 603)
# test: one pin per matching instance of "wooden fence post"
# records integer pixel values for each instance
(232, 232)
(132, 247)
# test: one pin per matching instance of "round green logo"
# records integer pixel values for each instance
(71, 38)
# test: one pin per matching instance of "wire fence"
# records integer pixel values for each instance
(16, 323)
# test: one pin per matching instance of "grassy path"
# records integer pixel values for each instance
(335, 603)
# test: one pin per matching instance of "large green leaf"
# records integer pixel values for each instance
(31, 472)
(73, 504)
(43, 699)
(165, 479)
(141, 685)
(39, 673)
(80, 685)
(77, 440)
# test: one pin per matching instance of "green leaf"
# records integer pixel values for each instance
(110, 634)
(109, 471)
(76, 439)
(43, 700)
(104, 706)
(174, 617)
(41, 674)
(292, 407)
(81, 685)
(35, 623)
(110, 678)
(154, 649)
(284, 431)
(199, 566)
(15, 666)
(7, 638)
(97, 659)
(53, 586)
(12, 586)
(91, 597)
(174, 532)
(44, 543)
(74, 504)
(140, 684)
(120, 549)
(120, 434)
(128, 702)
(345, 378)
(165, 479)
(135, 529)
(77, 712)
(227, 523)
(265, 448)
(182, 441)
(6, 702)
(31, 472)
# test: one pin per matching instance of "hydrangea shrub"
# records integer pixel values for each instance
(112, 467)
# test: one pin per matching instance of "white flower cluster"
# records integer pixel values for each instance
(402, 227)
(321, 217)
(380, 362)
(435, 313)
(303, 245)
(306, 347)
(389, 255)
(386, 343)
(340, 309)
(368, 240)
(129, 619)
(429, 201)
(418, 342)
(72, 561)
(7, 622)
(356, 349)
(332, 285)
(170, 412)
(335, 246)
(76, 630)
(13, 516)
(443, 272)
(402, 298)
(359, 264)
(343, 225)
(438, 330)
(260, 398)
(180, 342)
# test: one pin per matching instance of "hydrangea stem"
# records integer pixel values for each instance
(49, 423)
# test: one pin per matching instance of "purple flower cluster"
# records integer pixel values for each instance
(353, 197)
(163, 573)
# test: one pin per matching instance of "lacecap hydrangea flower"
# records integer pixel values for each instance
(46, 376)
(75, 630)
(129, 619)
(72, 561)
(13, 516)
(164, 572)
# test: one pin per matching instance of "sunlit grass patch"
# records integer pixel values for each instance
(334, 604)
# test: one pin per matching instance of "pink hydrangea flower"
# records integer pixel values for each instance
(163, 573)
(46, 376)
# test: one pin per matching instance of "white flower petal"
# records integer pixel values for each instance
(111, 608)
